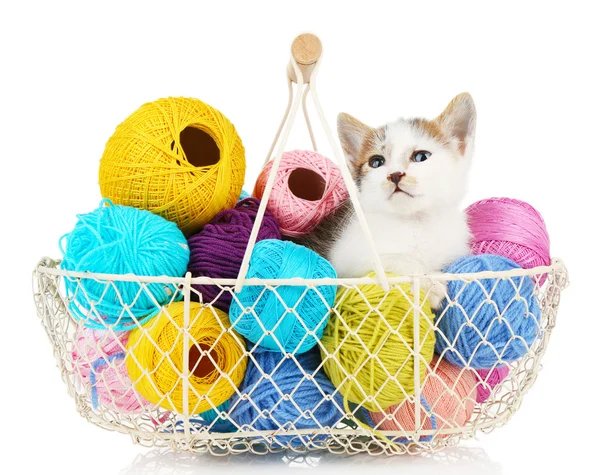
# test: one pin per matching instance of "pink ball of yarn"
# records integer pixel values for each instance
(307, 187)
(488, 379)
(450, 393)
(99, 361)
(509, 228)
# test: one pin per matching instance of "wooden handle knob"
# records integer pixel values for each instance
(306, 50)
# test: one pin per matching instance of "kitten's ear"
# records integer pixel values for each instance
(459, 120)
(351, 132)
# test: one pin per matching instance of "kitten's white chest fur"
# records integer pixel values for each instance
(405, 245)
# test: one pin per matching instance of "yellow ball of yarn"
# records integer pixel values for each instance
(384, 324)
(155, 358)
(177, 157)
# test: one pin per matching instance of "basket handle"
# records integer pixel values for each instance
(296, 73)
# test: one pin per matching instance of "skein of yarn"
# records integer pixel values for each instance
(384, 324)
(98, 360)
(217, 360)
(217, 418)
(218, 249)
(292, 317)
(281, 393)
(488, 379)
(509, 228)
(450, 393)
(307, 187)
(177, 157)
(488, 321)
(121, 240)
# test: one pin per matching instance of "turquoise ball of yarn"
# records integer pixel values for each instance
(296, 315)
(121, 240)
(213, 419)
(487, 321)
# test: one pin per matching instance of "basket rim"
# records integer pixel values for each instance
(49, 266)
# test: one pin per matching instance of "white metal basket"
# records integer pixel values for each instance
(153, 425)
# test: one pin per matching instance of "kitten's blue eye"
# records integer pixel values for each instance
(376, 161)
(420, 156)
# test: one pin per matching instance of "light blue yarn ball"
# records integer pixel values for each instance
(298, 316)
(116, 239)
(243, 195)
(479, 331)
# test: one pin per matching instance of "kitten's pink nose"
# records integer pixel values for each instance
(396, 177)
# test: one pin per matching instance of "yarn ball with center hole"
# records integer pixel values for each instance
(177, 157)
(509, 228)
(488, 379)
(283, 393)
(486, 321)
(218, 249)
(307, 188)
(287, 318)
(450, 393)
(369, 347)
(216, 358)
(116, 239)
(99, 364)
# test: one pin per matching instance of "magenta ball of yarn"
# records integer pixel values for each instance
(488, 379)
(99, 364)
(218, 249)
(509, 228)
(307, 187)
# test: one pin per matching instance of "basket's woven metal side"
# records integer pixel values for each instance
(154, 424)
(53, 313)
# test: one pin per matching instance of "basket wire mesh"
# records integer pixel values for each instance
(152, 425)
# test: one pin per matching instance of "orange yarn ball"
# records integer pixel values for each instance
(307, 187)
(177, 157)
(450, 392)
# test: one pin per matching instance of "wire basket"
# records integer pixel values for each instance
(152, 425)
(97, 367)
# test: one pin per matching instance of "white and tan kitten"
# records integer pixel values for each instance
(411, 177)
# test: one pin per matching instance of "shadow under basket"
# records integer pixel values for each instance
(188, 411)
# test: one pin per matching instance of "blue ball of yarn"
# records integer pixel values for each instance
(121, 240)
(279, 394)
(296, 315)
(487, 321)
(243, 195)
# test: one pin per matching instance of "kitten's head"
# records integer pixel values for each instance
(411, 166)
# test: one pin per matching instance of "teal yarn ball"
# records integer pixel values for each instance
(487, 321)
(213, 418)
(296, 315)
(115, 239)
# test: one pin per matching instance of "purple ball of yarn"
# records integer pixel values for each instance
(217, 250)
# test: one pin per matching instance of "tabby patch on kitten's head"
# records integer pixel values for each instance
(411, 166)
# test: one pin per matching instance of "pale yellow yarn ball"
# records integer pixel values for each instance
(177, 157)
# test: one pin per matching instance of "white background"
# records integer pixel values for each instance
(71, 72)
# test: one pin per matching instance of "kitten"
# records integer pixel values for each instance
(411, 176)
